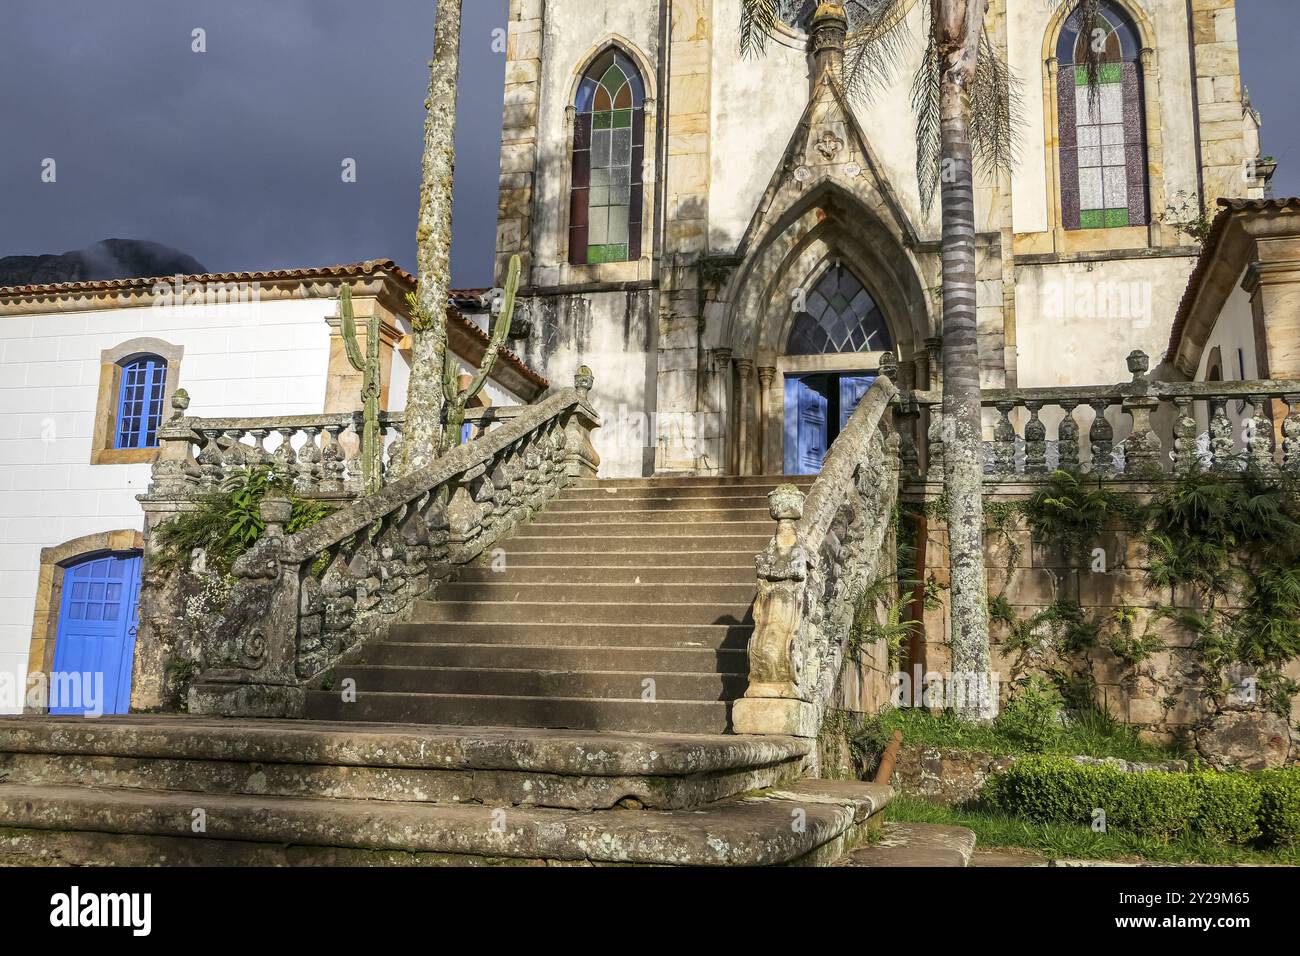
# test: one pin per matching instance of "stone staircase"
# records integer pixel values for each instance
(625, 605)
(566, 703)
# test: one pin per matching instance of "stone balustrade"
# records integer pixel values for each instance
(828, 548)
(301, 602)
(1136, 430)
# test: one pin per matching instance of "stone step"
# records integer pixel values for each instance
(656, 518)
(511, 554)
(83, 826)
(767, 482)
(555, 612)
(738, 597)
(657, 636)
(664, 530)
(684, 660)
(589, 548)
(665, 504)
(610, 574)
(512, 678)
(916, 844)
(386, 763)
(567, 713)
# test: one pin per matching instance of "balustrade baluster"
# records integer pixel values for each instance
(1101, 436)
(257, 453)
(332, 466)
(309, 462)
(283, 456)
(1067, 438)
(1291, 435)
(233, 457)
(1259, 448)
(1221, 459)
(934, 445)
(1185, 455)
(1004, 442)
(210, 458)
(1035, 441)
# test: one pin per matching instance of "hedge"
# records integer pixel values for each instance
(1227, 808)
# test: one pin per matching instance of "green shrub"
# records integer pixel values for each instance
(1228, 807)
(1032, 718)
(1051, 789)
(1224, 808)
(1280, 806)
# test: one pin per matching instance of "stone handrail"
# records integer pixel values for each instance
(817, 568)
(302, 601)
(1171, 427)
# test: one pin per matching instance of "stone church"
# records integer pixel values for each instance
(733, 242)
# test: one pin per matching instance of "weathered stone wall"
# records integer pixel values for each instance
(1166, 695)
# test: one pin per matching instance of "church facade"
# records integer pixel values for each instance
(732, 243)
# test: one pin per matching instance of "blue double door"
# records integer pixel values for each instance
(817, 407)
(95, 645)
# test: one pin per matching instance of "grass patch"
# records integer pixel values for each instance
(1058, 841)
(1089, 734)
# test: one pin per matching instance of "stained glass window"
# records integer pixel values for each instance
(839, 316)
(140, 402)
(608, 155)
(1103, 132)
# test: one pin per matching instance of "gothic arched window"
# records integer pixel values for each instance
(1103, 131)
(839, 315)
(608, 155)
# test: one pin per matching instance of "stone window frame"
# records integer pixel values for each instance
(1150, 234)
(636, 269)
(54, 562)
(108, 405)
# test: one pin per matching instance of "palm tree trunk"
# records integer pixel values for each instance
(424, 397)
(963, 467)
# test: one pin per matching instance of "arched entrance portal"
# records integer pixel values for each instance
(832, 357)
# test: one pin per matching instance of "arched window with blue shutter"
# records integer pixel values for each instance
(608, 155)
(140, 401)
(1102, 131)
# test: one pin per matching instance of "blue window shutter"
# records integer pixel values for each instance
(140, 402)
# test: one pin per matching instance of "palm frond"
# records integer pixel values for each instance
(758, 18)
(925, 105)
(875, 49)
(1088, 12)
(996, 110)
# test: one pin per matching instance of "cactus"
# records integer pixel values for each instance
(371, 451)
(458, 397)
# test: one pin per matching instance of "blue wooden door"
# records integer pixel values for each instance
(98, 618)
(852, 388)
(806, 428)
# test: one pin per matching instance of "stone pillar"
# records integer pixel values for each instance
(1218, 95)
(685, 232)
(766, 400)
(519, 137)
(1155, 147)
(830, 29)
(720, 405)
(744, 431)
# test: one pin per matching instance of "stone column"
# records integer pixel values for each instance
(720, 405)
(1218, 96)
(766, 399)
(519, 137)
(685, 231)
(744, 432)
(1155, 147)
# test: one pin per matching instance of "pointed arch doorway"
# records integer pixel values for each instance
(832, 356)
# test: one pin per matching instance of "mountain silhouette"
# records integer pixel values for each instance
(109, 259)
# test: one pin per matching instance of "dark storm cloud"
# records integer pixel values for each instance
(234, 156)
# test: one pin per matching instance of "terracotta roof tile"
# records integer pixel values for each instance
(370, 267)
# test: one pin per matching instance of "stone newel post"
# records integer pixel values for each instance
(773, 701)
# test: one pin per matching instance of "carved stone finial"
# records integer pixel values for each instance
(889, 366)
(583, 381)
(1139, 364)
(276, 512)
(827, 38)
(180, 403)
(785, 503)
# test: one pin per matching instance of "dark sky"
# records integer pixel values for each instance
(234, 155)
